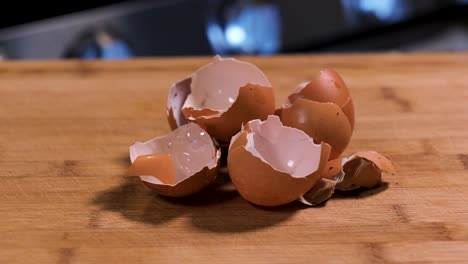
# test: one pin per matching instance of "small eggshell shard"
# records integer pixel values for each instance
(328, 87)
(364, 169)
(325, 186)
(177, 95)
(178, 164)
(271, 164)
(322, 121)
(220, 97)
(253, 102)
(320, 193)
(382, 162)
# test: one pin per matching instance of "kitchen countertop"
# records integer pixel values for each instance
(65, 129)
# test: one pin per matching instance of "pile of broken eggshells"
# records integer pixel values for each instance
(225, 110)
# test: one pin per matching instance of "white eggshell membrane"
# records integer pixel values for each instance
(191, 148)
(285, 149)
(216, 85)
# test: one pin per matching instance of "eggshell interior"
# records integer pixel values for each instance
(216, 85)
(189, 146)
(285, 149)
(160, 166)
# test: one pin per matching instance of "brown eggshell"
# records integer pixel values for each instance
(220, 97)
(320, 192)
(328, 87)
(191, 185)
(178, 164)
(253, 102)
(261, 182)
(240, 139)
(322, 121)
(359, 173)
(332, 169)
(348, 110)
(364, 169)
(171, 119)
(325, 186)
(382, 162)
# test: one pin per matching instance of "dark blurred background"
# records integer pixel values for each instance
(126, 29)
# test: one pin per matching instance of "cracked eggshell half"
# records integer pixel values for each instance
(364, 169)
(271, 164)
(322, 121)
(327, 87)
(180, 163)
(220, 97)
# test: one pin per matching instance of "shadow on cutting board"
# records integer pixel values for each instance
(218, 209)
(361, 192)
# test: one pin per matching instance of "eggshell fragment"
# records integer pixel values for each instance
(271, 164)
(177, 95)
(383, 162)
(322, 121)
(325, 186)
(327, 87)
(364, 169)
(220, 97)
(321, 192)
(181, 163)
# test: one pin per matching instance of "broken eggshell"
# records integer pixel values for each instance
(220, 97)
(180, 163)
(271, 164)
(327, 87)
(364, 169)
(361, 169)
(325, 186)
(322, 121)
(176, 98)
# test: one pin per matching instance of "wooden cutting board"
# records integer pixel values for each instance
(65, 129)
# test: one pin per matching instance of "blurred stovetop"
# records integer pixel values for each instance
(123, 29)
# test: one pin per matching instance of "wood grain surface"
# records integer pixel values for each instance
(65, 129)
